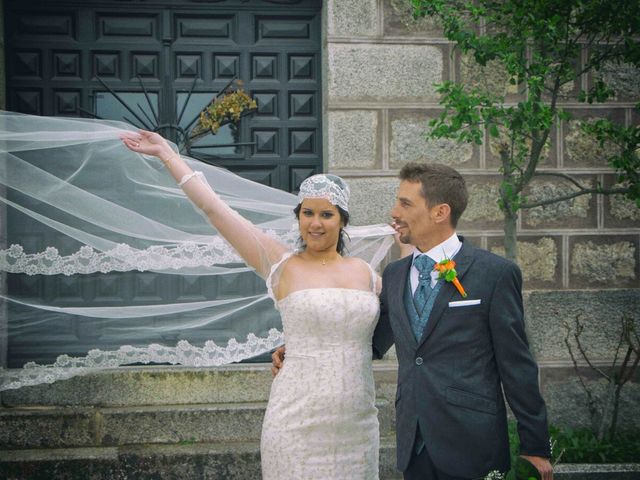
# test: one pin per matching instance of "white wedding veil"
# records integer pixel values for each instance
(107, 263)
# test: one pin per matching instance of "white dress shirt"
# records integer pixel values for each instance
(446, 249)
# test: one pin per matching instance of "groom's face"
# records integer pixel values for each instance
(412, 217)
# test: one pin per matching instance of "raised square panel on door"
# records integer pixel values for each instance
(66, 290)
(281, 28)
(132, 27)
(26, 101)
(228, 285)
(106, 65)
(26, 64)
(66, 102)
(148, 287)
(87, 330)
(188, 65)
(113, 288)
(49, 24)
(66, 65)
(145, 65)
(26, 287)
(203, 27)
(302, 105)
(302, 142)
(267, 104)
(266, 142)
(193, 288)
(302, 67)
(226, 67)
(264, 67)
(264, 175)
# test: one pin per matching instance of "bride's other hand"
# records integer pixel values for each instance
(147, 143)
(277, 359)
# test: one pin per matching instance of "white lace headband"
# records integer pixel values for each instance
(329, 187)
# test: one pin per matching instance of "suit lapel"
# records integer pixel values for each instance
(401, 279)
(463, 259)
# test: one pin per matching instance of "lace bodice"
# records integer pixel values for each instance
(320, 320)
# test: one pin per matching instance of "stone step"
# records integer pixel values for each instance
(586, 471)
(197, 461)
(65, 427)
(167, 385)
(150, 385)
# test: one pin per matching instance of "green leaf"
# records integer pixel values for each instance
(450, 275)
(564, 115)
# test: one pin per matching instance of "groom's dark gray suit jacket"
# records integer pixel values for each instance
(451, 381)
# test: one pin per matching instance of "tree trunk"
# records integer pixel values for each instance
(609, 399)
(510, 235)
(508, 194)
(614, 414)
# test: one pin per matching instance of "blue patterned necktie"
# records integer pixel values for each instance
(425, 265)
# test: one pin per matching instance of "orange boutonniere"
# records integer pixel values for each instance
(447, 270)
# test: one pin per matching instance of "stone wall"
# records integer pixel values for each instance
(578, 257)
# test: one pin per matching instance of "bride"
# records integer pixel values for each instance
(321, 420)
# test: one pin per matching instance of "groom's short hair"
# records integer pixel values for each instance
(440, 184)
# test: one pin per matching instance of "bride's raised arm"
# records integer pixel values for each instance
(258, 249)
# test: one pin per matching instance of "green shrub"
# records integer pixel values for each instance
(580, 445)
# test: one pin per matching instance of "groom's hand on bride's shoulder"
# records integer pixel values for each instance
(277, 359)
(543, 465)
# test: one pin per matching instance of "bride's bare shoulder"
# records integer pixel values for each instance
(356, 263)
(355, 260)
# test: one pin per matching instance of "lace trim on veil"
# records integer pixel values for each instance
(124, 258)
(210, 355)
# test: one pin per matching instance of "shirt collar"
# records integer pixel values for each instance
(446, 249)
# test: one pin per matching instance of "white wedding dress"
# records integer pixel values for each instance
(321, 420)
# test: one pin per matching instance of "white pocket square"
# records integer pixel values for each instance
(464, 303)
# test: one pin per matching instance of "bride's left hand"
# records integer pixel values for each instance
(147, 143)
(277, 360)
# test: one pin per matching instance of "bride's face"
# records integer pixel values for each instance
(320, 224)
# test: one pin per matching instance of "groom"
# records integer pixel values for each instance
(457, 354)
